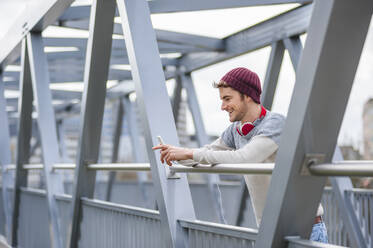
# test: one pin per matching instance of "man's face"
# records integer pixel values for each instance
(234, 103)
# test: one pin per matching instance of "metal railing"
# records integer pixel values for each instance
(99, 215)
(344, 168)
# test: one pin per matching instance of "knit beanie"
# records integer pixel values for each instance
(244, 81)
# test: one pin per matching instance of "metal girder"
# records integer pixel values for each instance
(47, 130)
(138, 149)
(118, 123)
(55, 60)
(294, 47)
(205, 42)
(293, 22)
(82, 12)
(71, 73)
(272, 73)
(44, 13)
(23, 138)
(118, 45)
(173, 195)
(176, 98)
(346, 211)
(95, 76)
(213, 179)
(323, 79)
(5, 159)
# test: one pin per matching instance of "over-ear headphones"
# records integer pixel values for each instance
(246, 128)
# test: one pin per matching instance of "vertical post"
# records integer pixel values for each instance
(273, 71)
(5, 159)
(294, 47)
(23, 139)
(173, 195)
(138, 150)
(115, 150)
(47, 129)
(95, 77)
(212, 179)
(323, 79)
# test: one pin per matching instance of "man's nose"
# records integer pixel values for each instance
(223, 106)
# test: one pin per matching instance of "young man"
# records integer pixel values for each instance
(253, 137)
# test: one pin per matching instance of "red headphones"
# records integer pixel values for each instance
(245, 128)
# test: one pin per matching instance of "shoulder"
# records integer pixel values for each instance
(228, 135)
(272, 126)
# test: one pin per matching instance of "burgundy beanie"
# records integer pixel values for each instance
(244, 81)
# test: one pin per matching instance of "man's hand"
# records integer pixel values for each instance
(170, 153)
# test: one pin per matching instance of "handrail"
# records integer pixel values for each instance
(344, 168)
(252, 168)
(121, 167)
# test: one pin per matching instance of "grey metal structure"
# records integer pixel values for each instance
(325, 70)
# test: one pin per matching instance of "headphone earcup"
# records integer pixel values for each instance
(246, 128)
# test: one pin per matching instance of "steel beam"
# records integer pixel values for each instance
(212, 180)
(47, 129)
(115, 148)
(92, 110)
(273, 71)
(176, 98)
(294, 47)
(138, 149)
(5, 159)
(82, 12)
(42, 15)
(164, 37)
(175, 45)
(23, 138)
(345, 209)
(288, 24)
(323, 79)
(173, 195)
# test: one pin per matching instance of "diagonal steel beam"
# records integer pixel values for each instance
(23, 138)
(273, 71)
(92, 110)
(176, 98)
(173, 195)
(323, 79)
(293, 22)
(118, 123)
(208, 43)
(138, 149)
(5, 159)
(44, 13)
(294, 47)
(82, 12)
(47, 130)
(345, 209)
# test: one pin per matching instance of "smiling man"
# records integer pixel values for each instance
(253, 137)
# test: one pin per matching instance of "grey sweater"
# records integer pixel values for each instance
(259, 146)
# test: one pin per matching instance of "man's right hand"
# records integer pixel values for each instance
(171, 153)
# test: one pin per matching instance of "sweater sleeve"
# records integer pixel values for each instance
(217, 145)
(256, 151)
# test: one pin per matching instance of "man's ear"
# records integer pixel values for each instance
(247, 99)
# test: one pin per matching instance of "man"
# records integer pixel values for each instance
(253, 137)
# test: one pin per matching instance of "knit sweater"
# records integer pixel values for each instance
(259, 146)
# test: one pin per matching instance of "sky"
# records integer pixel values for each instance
(220, 23)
